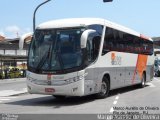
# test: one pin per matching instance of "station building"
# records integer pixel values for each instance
(11, 56)
(156, 46)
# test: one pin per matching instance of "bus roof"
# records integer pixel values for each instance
(76, 22)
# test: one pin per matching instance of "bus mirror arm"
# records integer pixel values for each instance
(84, 37)
(22, 40)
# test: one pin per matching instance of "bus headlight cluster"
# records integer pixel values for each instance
(38, 82)
(74, 79)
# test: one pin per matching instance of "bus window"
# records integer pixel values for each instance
(124, 42)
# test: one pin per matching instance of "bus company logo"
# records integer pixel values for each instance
(113, 56)
(115, 60)
(49, 77)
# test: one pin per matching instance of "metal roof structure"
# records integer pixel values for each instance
(9, 50)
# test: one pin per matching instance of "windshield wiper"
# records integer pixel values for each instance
(60, 60)
(43, 60)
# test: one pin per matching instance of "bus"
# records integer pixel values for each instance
(83, 56)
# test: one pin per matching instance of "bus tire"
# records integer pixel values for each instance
(143, 81)
(59, 97)
(105, 88)
(158, 74)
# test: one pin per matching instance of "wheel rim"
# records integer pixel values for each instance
(103, 88)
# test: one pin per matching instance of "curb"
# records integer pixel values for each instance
(7, 93)
(12, 80)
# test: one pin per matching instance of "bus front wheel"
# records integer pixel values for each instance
(105, 87)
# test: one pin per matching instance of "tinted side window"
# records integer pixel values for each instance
(123, 42)
(113, 41)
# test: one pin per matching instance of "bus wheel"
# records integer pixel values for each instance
(143, 81)
(158, 74)
(105, 87)
(59, 97)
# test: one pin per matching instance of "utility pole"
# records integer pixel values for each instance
(34, 15)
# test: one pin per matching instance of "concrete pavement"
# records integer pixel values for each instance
(12, 87)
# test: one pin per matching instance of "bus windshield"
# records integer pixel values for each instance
(55, 49)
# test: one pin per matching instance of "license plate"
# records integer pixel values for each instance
(49, 90)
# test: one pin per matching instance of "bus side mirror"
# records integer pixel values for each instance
(84, 37)
(107, 0)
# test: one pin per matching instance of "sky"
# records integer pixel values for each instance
(16, 16)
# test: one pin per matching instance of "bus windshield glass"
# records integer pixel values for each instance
(56, 49)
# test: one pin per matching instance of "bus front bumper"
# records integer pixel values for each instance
(72, 89)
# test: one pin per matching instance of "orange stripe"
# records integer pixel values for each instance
(140, 66)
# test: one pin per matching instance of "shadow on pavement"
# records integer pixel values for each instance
(53, 102)
(125, 89)
(69, 101)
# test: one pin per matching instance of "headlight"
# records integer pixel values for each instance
(67, 81)
(38, 82)
(74, 79)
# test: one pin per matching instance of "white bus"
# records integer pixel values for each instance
(83, 56)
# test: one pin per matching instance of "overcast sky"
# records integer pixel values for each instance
(139, 15)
